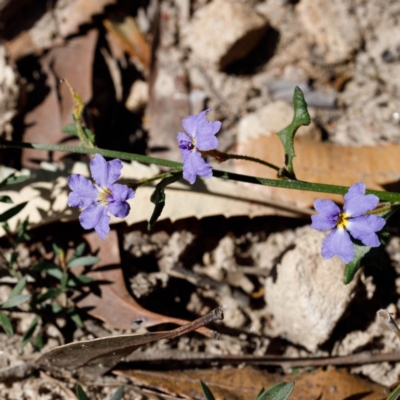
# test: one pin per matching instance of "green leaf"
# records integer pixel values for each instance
(286, 135)
(79, 280)
(6, 215)
(70, 129)
(29, 332)
(22, 231)
(80, 394)
(15, 301)
(80, 249)
(364, 255)
(395, 394)
(5, 199)
(75, 317)
(50, 294)
(280, 391)
(117, 395)
(158, 197)
(12, 180)
(6, 324)
(64, 281)
(18, 288)
(50, 268)
(58, 251)
(206, 391)
(56, 308)
(82, 261)
(38, 342)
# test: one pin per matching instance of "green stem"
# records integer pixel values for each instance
(152, 179)
(252, 159)
(286, 184)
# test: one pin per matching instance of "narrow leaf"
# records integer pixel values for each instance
(70, 129)
(364, 255)
(6, 324)
(5, 199)
(15, 301)
(18, 288)
(82, 261)
(6, 215)
(280, 391)
(117, 395)
(38, 342)
(395, 394)
(75, 317)
(286, 135)
(80, 249)
(80, 393)
(158, 197)
(207, 392)
(12, 180)
(29, 332)
(50, 294)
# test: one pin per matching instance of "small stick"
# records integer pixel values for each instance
(389, 321)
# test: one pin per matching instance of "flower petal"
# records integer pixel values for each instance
(191, 122)
(118, 205)
(363, 228)
(105, 173)
(83, 192)
(357, 203)
(338, 243)
(95, 216)
(194, 165)
(205, 137)
(327, 217)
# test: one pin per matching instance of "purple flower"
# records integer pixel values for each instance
(351, 220)
(97, 200)
(199, 137)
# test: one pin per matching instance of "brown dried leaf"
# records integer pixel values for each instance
(97, 356)
(321, 163)
(44, 122)
(244, 384)
(112, 303)
(131, 39)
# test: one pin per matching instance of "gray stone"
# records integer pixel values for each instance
(225, 31)
(332, 26)
(307, 297)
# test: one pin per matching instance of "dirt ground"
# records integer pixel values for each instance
(140, 67)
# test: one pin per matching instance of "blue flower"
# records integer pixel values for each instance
(351, 220)
(199, 137)
(97, 200)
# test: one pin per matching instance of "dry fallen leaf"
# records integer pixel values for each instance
(244, 384)
(111, 301)
(320, 163)
(97, 356)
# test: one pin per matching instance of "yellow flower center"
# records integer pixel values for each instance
(104, 195)
(343, 220)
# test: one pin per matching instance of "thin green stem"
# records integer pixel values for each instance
(152, 179)
(252, 159)
(287, 184)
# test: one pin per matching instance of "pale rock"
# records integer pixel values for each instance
(307, 296)
(225, 31)
(138, 96)
(9, 94)
(271, 119)
(332, 25)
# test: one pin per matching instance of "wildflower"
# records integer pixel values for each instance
(97, 200)
(351, 220)
(199, 137)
